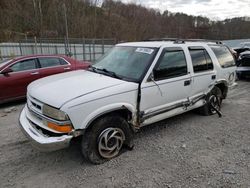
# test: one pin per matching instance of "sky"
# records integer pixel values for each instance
(213, 9)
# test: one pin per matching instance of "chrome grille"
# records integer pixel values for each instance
(34, 104)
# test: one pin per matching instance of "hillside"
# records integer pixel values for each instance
(124, 22)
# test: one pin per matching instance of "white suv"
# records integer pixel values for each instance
(133, 85)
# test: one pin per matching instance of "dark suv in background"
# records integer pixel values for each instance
(243, 63)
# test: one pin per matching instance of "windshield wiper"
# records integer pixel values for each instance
(105, 71)
(91, 68)
(109, 73)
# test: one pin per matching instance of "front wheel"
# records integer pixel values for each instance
(105, 138)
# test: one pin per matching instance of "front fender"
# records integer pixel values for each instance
(107, 109)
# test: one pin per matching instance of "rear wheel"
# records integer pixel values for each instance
(213, 99)
(104, 140)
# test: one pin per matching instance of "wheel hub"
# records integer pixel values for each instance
(110, 142)
(214, 101)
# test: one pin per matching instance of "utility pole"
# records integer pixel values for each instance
(96, 1)
(66, 28)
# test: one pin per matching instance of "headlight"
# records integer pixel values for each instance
(54, 113)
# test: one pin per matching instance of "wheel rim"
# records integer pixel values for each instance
(215, 102)
(110, 142)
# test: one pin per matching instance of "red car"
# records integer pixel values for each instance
(17, 73)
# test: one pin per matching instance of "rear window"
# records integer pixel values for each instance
(49, 62)
(224, 56)
(201, 60)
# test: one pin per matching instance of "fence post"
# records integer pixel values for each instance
(66, 47)
(35, 45)
(20, 47)
(102, 46)
(56, 49)
(41, 48)
(90, 55)
(93, 42)
(83, 50)
(75, 50)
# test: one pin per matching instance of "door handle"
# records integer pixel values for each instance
(67, 68)
(187, 82)
(213, 77)
(34, 73)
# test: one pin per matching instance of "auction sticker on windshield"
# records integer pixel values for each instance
(145, 50)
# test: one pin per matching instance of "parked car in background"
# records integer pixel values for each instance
(243, 63)
(17, 73)
(240, 50)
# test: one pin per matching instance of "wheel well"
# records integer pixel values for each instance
(124, 112)
(223, 88)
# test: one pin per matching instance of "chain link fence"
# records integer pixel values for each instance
(81, 49)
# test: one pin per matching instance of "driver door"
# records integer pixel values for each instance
(169, 88)
(14, 84)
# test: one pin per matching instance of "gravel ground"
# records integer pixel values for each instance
(184, 151)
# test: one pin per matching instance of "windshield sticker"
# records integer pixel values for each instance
(145, 50)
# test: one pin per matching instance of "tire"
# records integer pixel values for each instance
(117, 132)
(214, 95)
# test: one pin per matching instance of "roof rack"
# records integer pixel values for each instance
(161, 39)
(182, 41)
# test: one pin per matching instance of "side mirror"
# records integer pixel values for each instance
(151, 77)
(6, 71)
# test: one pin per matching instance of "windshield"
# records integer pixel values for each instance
(127, 63)
(4, 62)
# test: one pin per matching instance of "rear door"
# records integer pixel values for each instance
(53, 65)
(204, 75)
(14, 84)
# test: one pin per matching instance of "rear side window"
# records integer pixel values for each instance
(63, 62)
(49, 62)
(171, 64)
(201, 60)
(224, 56)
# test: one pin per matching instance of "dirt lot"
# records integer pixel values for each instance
(185, 151)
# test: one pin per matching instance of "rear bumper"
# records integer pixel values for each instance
(38, 139)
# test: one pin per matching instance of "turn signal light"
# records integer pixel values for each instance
(60, 128)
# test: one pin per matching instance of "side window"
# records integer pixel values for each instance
(24, 65)
(171, 64)
(201, 60)
(224, 56)
(49, 62)
(63, 62)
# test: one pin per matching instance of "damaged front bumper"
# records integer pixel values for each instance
(39, 140)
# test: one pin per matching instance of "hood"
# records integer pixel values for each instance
(59, 89)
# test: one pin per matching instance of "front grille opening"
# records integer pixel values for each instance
(46, 132)
(36, 105)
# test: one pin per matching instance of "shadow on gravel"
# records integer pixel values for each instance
(11, 104)
(243, 80)
(73, 156)
(170, 123)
